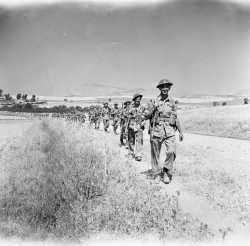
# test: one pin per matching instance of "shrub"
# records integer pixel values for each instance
(245, 100)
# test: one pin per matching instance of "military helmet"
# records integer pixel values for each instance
(164, 82)
(137, 95)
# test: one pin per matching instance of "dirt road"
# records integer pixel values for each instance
(211, 178)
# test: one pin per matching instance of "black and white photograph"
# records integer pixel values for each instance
(124, 122)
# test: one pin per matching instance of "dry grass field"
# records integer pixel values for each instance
(224, 121)
(63, 181)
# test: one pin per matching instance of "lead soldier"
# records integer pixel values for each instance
(164, 122)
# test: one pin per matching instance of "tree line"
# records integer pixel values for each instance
(19, 96)
(30, 108)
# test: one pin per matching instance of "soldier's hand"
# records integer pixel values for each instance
(181, 137)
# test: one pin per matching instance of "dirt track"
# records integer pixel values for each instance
(211, 176)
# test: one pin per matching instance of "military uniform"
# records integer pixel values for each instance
(97, 118)
(115, 115)
(124, 123)
(106, 117)
(163, 117)
(136, 126)
(91, 117)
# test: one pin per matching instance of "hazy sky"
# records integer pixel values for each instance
(93, 48)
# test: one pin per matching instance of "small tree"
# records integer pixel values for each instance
(7, 97)
(33, 98)
(18, 96)
(24, 97)
(224, 103)
(1, 92)
(246, 100)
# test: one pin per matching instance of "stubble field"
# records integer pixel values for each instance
(60, 180)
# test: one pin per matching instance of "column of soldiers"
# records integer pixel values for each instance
(132, 117)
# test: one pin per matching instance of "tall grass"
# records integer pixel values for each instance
(71, 182)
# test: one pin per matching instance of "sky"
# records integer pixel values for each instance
(96, 48)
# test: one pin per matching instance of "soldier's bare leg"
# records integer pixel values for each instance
(115, 126)
(131, 141)
(107, 125)
(122, 135)
(138, 145)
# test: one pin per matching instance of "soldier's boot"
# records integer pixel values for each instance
(166, 177)
(122, 141)
(115, 130)
(122, 144)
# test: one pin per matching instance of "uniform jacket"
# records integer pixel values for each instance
(106, 113)
(115, 113)
(162, 115)
(136, 121)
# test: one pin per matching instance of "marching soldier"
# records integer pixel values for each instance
(115, 114)
(106, 116)
(91, 117)
(136, 126)
(97, 118)
(164, 122)
(124, 123)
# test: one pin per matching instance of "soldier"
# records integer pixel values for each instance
(106, 116)
(91, 117)
(136, 126)
(115, 114)
(124, 122)
(96, 118)
(163, 125)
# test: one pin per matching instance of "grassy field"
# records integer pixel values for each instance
(224, 121)
(64, 181)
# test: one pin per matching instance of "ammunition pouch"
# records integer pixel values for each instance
(170, 120)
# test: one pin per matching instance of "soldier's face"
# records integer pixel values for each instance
(137, 101)
(165, 90)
